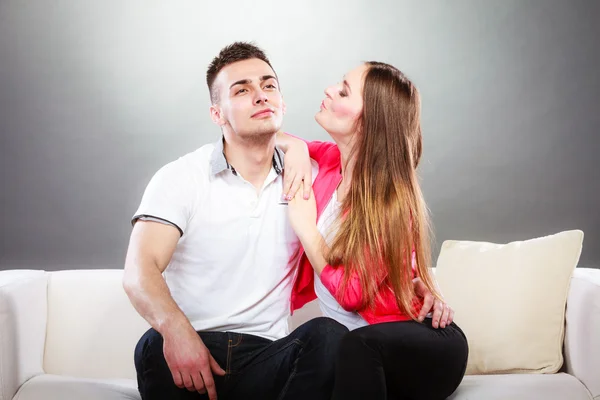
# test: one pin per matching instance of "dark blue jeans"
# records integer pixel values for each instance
(299, 366)
(401, 361)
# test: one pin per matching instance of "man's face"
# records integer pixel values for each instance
(250, 103)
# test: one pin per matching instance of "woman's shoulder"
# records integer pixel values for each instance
(323, 152)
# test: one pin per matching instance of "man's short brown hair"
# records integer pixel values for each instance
(235, 52)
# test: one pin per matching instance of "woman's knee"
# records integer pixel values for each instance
(359, 341)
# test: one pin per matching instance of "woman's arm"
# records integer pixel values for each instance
(315, 248)
(286, 142)
(303, 218)
(316, 148)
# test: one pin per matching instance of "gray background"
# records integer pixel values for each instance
(96, 96)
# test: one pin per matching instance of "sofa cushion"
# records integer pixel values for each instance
(55, 387)
(521, 387)
(582, 335)
(92, 326)
(490, 387)
(510, 300)
(22, 327)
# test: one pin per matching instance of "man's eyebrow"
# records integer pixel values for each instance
(247, 81)
(347, 85)
(265, 77)
(240, 82)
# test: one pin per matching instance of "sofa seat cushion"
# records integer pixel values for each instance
(521, 387)
(56, 387)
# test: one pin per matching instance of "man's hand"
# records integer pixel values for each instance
(298, 171)
(190, 362)
(443, 314)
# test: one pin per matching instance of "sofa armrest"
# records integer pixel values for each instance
(23, 310)
(582, 335)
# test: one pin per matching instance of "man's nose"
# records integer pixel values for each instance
(260, 97)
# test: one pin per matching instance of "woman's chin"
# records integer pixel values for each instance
(318, 117)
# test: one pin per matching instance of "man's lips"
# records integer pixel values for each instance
(262, 113)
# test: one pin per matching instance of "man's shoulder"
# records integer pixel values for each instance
(199, 156)
(192, 165)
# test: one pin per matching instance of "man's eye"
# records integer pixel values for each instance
(240, 91)
(271, 86)
(343, 93)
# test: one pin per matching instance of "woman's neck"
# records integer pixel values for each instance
(345, 145)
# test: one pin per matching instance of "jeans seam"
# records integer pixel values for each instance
(240, 337)
(228, 363)
(293, 374)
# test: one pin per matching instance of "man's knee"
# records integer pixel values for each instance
(325, 333)
(326, 327)
(149, 349)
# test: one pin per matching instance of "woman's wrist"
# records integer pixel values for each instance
(313, 244)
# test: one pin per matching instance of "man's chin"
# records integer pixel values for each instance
(266, 128)
(260, 135)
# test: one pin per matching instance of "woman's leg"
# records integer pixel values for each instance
(400, 360)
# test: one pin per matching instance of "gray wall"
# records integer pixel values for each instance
(96, 96)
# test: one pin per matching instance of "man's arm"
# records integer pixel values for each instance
(151, 247)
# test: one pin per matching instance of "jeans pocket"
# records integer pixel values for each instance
(235, 339)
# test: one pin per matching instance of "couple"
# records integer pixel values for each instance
(225, 245)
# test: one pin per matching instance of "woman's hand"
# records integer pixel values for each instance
(297, 166)
(443, 314)
(297, 173)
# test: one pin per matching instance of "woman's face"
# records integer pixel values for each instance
(343, 104)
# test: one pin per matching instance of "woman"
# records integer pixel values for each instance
(371, 241)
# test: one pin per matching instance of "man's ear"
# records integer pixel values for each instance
(216, 114)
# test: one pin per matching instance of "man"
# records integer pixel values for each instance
(215, 218)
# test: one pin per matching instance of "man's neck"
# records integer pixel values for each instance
(252, 161)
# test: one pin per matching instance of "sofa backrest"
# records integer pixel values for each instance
(92, 327)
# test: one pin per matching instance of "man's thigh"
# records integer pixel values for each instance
(257, 367)
(155, 380)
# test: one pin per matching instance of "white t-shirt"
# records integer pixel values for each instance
(328, 304)
(231, 270)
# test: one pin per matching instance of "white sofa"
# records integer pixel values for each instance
(71, 334)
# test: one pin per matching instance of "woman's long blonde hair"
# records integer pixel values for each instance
(384, 221)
